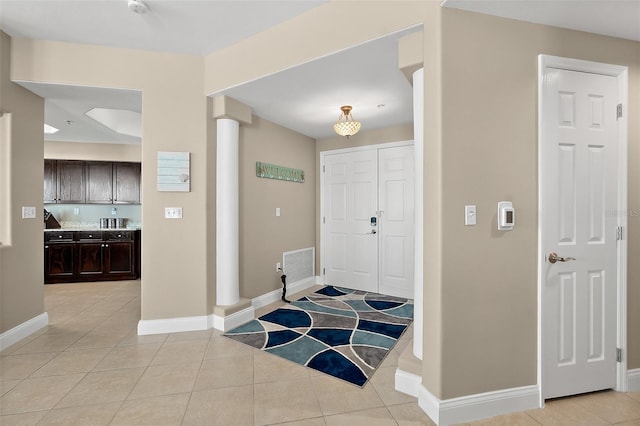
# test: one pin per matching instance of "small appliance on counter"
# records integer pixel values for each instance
(50, 222)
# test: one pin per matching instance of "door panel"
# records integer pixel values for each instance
(396, 221)
(579, 184)
(350, 200)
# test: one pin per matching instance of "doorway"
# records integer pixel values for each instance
(367, 224)
(582, 249)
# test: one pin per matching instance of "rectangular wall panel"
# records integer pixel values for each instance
(566, 318)
(596, 337)
(567, 194)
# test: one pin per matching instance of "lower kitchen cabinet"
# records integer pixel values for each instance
(59, 261)
(91, 256)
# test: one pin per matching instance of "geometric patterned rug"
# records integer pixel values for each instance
(341, 332)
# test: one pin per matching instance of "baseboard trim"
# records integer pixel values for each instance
(233, 320)
(172, 325)
(23, 330)
(275, 295)
(479, 406)
(408, 383)
(633, 380)
(205, 322)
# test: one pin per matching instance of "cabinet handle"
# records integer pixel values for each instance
(90, 236)
(46, 247)
(106, 245)
(101, 245)
(59, 236)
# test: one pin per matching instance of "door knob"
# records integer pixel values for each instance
(553, 258)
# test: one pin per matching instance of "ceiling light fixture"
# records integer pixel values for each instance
(138, 6)
(346, 126)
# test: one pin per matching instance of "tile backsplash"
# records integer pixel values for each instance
(88, 215)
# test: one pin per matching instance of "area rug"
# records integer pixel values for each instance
(341, 332)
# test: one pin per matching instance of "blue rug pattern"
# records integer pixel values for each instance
(341, 332)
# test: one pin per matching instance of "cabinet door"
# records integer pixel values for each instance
(90, 258)
(59, 260)
(126, 183)
(99, 177)
(119, 258)
(70, 185)
(50, 181)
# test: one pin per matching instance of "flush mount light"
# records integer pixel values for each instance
(138, 6)
(346, 126)
(49, 130)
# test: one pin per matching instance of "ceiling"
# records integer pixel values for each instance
(308, 96)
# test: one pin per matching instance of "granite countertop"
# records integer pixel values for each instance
(94, 229)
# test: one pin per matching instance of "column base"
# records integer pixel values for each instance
(228, 317)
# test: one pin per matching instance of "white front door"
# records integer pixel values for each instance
(396, 214)
(579, 198)
(350, 201)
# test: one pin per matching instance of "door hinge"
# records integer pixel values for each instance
(618, 355)
(619, 233)
(324, 271)
(324, 219)
(619, 111)
(323, 169)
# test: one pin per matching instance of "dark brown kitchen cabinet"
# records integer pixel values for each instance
(64, 181)
(91, 182)
(59, 256)
(126, 183)
(76, 256)
(50, 182)
(70, 182)
(99, 182)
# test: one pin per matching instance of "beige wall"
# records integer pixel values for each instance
(92, 151)
(489, 282)
(21, 262)
(174, 118)
(263, 236)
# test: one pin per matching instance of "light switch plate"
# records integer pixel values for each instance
(278, 211)
(173, 212)
(28, 212)
(469, 215)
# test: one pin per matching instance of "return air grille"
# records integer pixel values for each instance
(299, 264)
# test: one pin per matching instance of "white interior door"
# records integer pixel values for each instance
(579, 198)
(350, 200)
(396, 223)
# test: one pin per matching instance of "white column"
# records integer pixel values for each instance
(227, 244)
(418, 273)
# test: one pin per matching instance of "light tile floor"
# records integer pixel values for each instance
(89, 367)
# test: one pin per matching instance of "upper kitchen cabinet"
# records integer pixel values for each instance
(99, 182)
(126, 183)
(91, 182)
(50, 182)
(64, 182)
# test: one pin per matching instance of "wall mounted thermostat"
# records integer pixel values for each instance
(506, 216)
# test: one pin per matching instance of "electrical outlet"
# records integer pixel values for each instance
(278, 268)
(114, 210)
(28, 212)
(173, 212)
(76, 210)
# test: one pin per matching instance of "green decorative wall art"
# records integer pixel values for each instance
(271, 171)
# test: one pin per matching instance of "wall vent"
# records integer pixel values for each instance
(299, 264)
